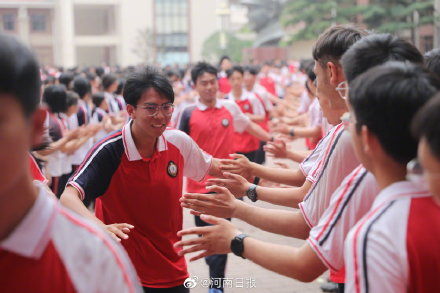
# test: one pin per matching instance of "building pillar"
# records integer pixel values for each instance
(23, 24)
(64, 43)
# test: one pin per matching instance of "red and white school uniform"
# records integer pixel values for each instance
(213, 130)
(144, 192)
(395, 247)
(53, 250)
(348, 204)
(248, 103)
(336, 161)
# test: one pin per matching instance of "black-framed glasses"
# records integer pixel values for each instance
(342, 90)
(153, 109)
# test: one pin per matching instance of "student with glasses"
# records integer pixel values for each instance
(136, 177)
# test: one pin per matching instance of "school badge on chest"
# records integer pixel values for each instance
(246, 107)
(225, 122)
(172, 169)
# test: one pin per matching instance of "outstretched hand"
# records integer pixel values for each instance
(220, 204)
(215, 239)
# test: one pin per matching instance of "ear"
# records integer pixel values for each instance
(371, 145)
(131, 111)
(336, 75)
(38, 126)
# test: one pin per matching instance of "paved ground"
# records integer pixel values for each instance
(243, 273)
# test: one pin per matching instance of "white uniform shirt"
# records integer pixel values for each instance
(92, 261)
(348, 204)
(334, 164)
(395, 247)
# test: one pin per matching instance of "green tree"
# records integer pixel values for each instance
(212, 50)
(380, 15)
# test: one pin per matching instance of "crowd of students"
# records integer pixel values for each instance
(115, 146)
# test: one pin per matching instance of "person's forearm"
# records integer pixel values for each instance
(256, 130)
(289, 197)
(256, 118)
(278, 175)
(287, 223)
(74, 145)
(285, 260)
(311, 132)
(71, 200)
(297, 156)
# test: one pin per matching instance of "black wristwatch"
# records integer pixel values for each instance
(237, 246)
(292, 132)
(251, 193)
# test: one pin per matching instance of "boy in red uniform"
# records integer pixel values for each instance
(136, 177)
(212, 123)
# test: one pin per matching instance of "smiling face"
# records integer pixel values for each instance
(152, 126)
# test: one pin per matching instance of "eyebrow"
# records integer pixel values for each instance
(154, 104)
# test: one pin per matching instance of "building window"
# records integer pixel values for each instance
(171, 30)
(8, 20)
(39, 22)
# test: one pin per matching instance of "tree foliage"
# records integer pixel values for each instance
(380, 15)
(212, 50)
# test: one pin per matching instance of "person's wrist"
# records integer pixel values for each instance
(239, 209)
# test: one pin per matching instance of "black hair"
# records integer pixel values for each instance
(377, 49)
(235, 68)
(72, 99)
(65, 79)
(91, 76)
(108, 80)
(81, 86)
(309, 71)
(386, 98)
(223, 58)
(251, 69)
(121, 83)
(140, 81)
(55, 97)
(19, 73)
(49, 80)
(97, 99)
(334, 41)
(426, 125)
(99, 71)
(432, 61)
(200, 69)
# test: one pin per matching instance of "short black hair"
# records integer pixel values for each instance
(432, 61)
(55, 97)
(98, 98)
(108, 80)
(121, 84)
(426, 125)
(251, 69)
(334, 41)
(235, 68)
(140, 81)
(200, 69)
(386, 98)
(72, 99)
(81, 86)
(19, 73)
(65, 79)
(377, 49)
(308, 70)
